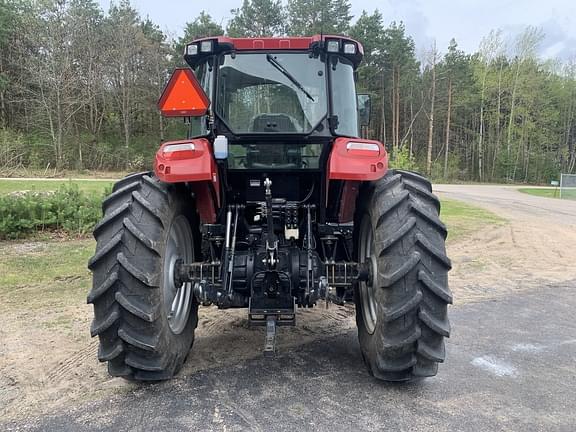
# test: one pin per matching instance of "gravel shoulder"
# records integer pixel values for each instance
(536, 245)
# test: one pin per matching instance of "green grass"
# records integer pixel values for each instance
(41, 185)
(542, 192)
(463, 219)
(550, 192)
(34, 274)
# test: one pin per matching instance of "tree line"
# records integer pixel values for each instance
(79, 85)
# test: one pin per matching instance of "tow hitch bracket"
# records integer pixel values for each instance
(270, 341)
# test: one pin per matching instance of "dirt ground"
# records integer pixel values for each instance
(42, 370)
(537, 244)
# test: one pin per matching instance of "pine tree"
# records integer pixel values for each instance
(369, 31)
(202, 26)
(309, 17)
(257, 18)
(401, 63)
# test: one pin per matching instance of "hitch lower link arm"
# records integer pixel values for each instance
(196, 272)
(343, 274)
(207, 284)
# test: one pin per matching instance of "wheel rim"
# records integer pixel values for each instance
(177, 299)
(367, 289)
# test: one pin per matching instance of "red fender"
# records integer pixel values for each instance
(355, 160)
(191, 161)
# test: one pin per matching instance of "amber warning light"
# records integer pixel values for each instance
(183, 96)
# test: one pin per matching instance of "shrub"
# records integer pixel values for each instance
(12, 150)
(67, 209)
(402, 159)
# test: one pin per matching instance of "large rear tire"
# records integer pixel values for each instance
(144, 322)
(401, 312)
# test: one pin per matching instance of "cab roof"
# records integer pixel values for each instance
(199, 48)
(278, 43)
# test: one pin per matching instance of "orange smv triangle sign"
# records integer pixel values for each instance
(183, 96)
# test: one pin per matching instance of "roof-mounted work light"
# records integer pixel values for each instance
(333, 46)
(349, 48)
(192, 49)
(207, 46)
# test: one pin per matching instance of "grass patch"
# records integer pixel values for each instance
(37, 274)
(41, 174)
(43, 185)
(41, 262)
(542, 192)
(463, 219)
(567, 193)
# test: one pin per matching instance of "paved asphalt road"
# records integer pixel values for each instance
(511, 366)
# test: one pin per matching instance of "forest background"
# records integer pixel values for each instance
(79, 85)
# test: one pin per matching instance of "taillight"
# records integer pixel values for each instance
(179, 151)
(368, 148)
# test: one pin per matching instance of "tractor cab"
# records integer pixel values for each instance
(271, 87)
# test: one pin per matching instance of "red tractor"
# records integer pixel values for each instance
(272, 203)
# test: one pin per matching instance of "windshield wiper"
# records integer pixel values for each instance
(288, 75)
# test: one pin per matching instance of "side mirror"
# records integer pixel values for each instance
(364, 106)
(183, 96)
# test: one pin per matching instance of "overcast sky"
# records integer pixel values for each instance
(465, 20)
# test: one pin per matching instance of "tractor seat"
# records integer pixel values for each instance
(273, 123)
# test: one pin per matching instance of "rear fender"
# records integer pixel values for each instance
(193, 162)
(354, 160)
(348, 161)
